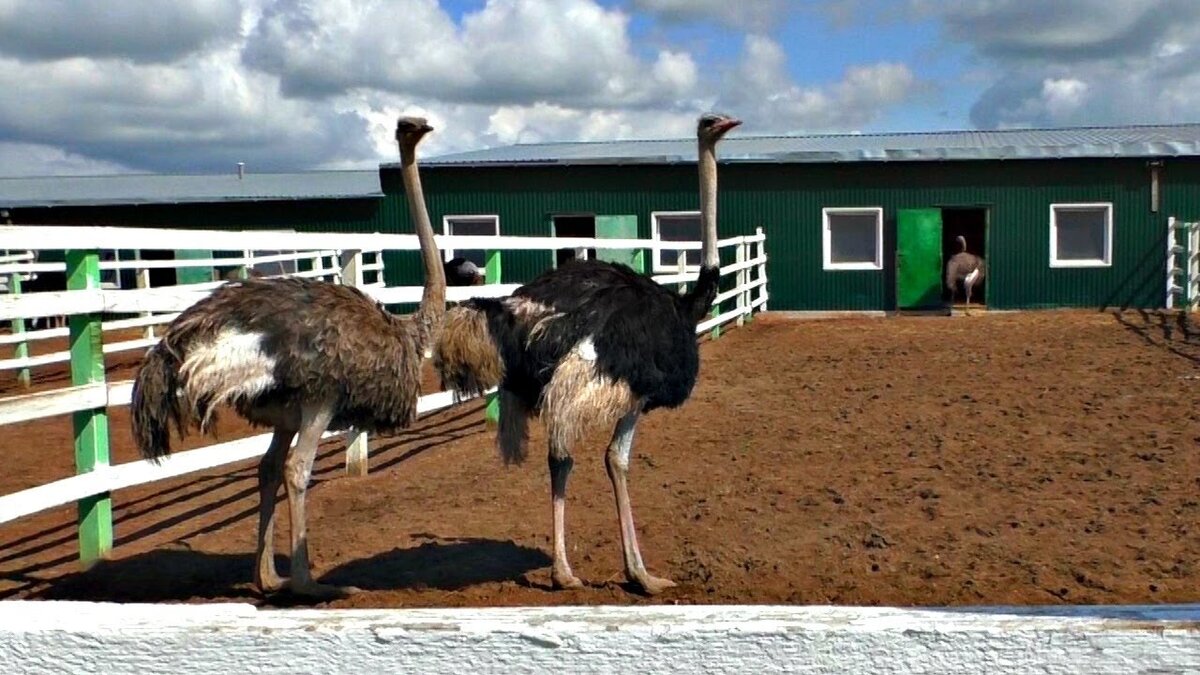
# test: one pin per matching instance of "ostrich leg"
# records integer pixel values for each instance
(617, 462)
(270, 475)
(297, 471)
(560, 468)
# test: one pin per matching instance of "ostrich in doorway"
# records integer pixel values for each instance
(964, 268)
(301, 356)
(588, 343)
(462, 272)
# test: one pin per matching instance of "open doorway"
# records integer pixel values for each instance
(970, 223)
(573, 226)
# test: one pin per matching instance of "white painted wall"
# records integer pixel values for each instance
(62, 637)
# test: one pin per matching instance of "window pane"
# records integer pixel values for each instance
(679, 228)
(852, 237)
(1080, 233)
(472, 227)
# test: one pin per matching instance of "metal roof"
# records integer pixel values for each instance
(186, 188)
(1123, 141)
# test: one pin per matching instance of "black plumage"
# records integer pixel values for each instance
(585, 344)
(462, 272)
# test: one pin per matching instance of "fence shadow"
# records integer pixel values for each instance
(389, 451)
(1164, 329)
(165, 574)
(1142, 285)
(179, 574)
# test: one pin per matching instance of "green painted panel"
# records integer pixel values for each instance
(918, 258)
(618, 227)
(193, 275)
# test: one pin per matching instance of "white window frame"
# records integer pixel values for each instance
(448, 253)
(1108, 235)
(655, 264)
(826, 238)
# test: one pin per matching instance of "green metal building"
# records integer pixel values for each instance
(1065, 217)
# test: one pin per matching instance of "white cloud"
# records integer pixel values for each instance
(760, 86)
(510, 51)
(24, 159)
(294, 84)
(757, 15)
(148, 30)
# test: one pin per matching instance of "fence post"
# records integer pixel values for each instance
(91, 426)
(1193, 276)
(742, 304)
(762, 269)
(357, 448)
(491, 275)
(18, 327)
(143, 281)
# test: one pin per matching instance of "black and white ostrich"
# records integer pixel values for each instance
(966, 269)
(462, 272)
(301, 356)
(588, 343)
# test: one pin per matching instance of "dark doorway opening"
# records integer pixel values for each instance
(573, 226)
(164, 276)
(969, 223)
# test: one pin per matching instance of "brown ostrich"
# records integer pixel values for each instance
(590, 343)
(966, 269)
(301, 356)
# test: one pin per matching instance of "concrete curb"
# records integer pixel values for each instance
(57, 637)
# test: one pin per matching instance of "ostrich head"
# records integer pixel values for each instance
(410, 131)
(712, 126)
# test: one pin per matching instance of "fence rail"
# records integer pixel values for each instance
(155, 306)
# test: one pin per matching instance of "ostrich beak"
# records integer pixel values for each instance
(727, 124)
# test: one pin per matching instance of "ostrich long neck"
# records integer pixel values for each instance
(433, 301)
(699, 299)
(708, 204)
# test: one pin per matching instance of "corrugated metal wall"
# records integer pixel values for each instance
(786, 200)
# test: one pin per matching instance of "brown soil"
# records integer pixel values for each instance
(1006, 458)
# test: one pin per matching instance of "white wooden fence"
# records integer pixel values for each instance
(162, 304)
(322, 265)
(1183, 264)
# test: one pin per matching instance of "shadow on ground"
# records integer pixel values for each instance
(180, 574)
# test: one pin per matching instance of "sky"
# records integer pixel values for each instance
(192, 86)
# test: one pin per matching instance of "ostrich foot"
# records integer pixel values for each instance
(270, 583)
(316, 591)
(650, 584)
(565, 581)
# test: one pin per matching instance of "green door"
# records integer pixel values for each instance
(193, 275)
(918, 258)
(619, 227)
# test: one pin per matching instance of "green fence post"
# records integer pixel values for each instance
(91, 426)
(491, 275)
(18, 327)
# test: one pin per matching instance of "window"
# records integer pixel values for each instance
(852, 238)
(470, 226)
(1081, 235)
(676, 226)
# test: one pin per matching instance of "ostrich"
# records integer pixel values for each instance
(462, 272)
(588, 343)
(965, 268)
(301, 356)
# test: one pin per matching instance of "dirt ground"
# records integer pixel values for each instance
(1029, 458)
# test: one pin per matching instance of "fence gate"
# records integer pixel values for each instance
(1183, 264)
